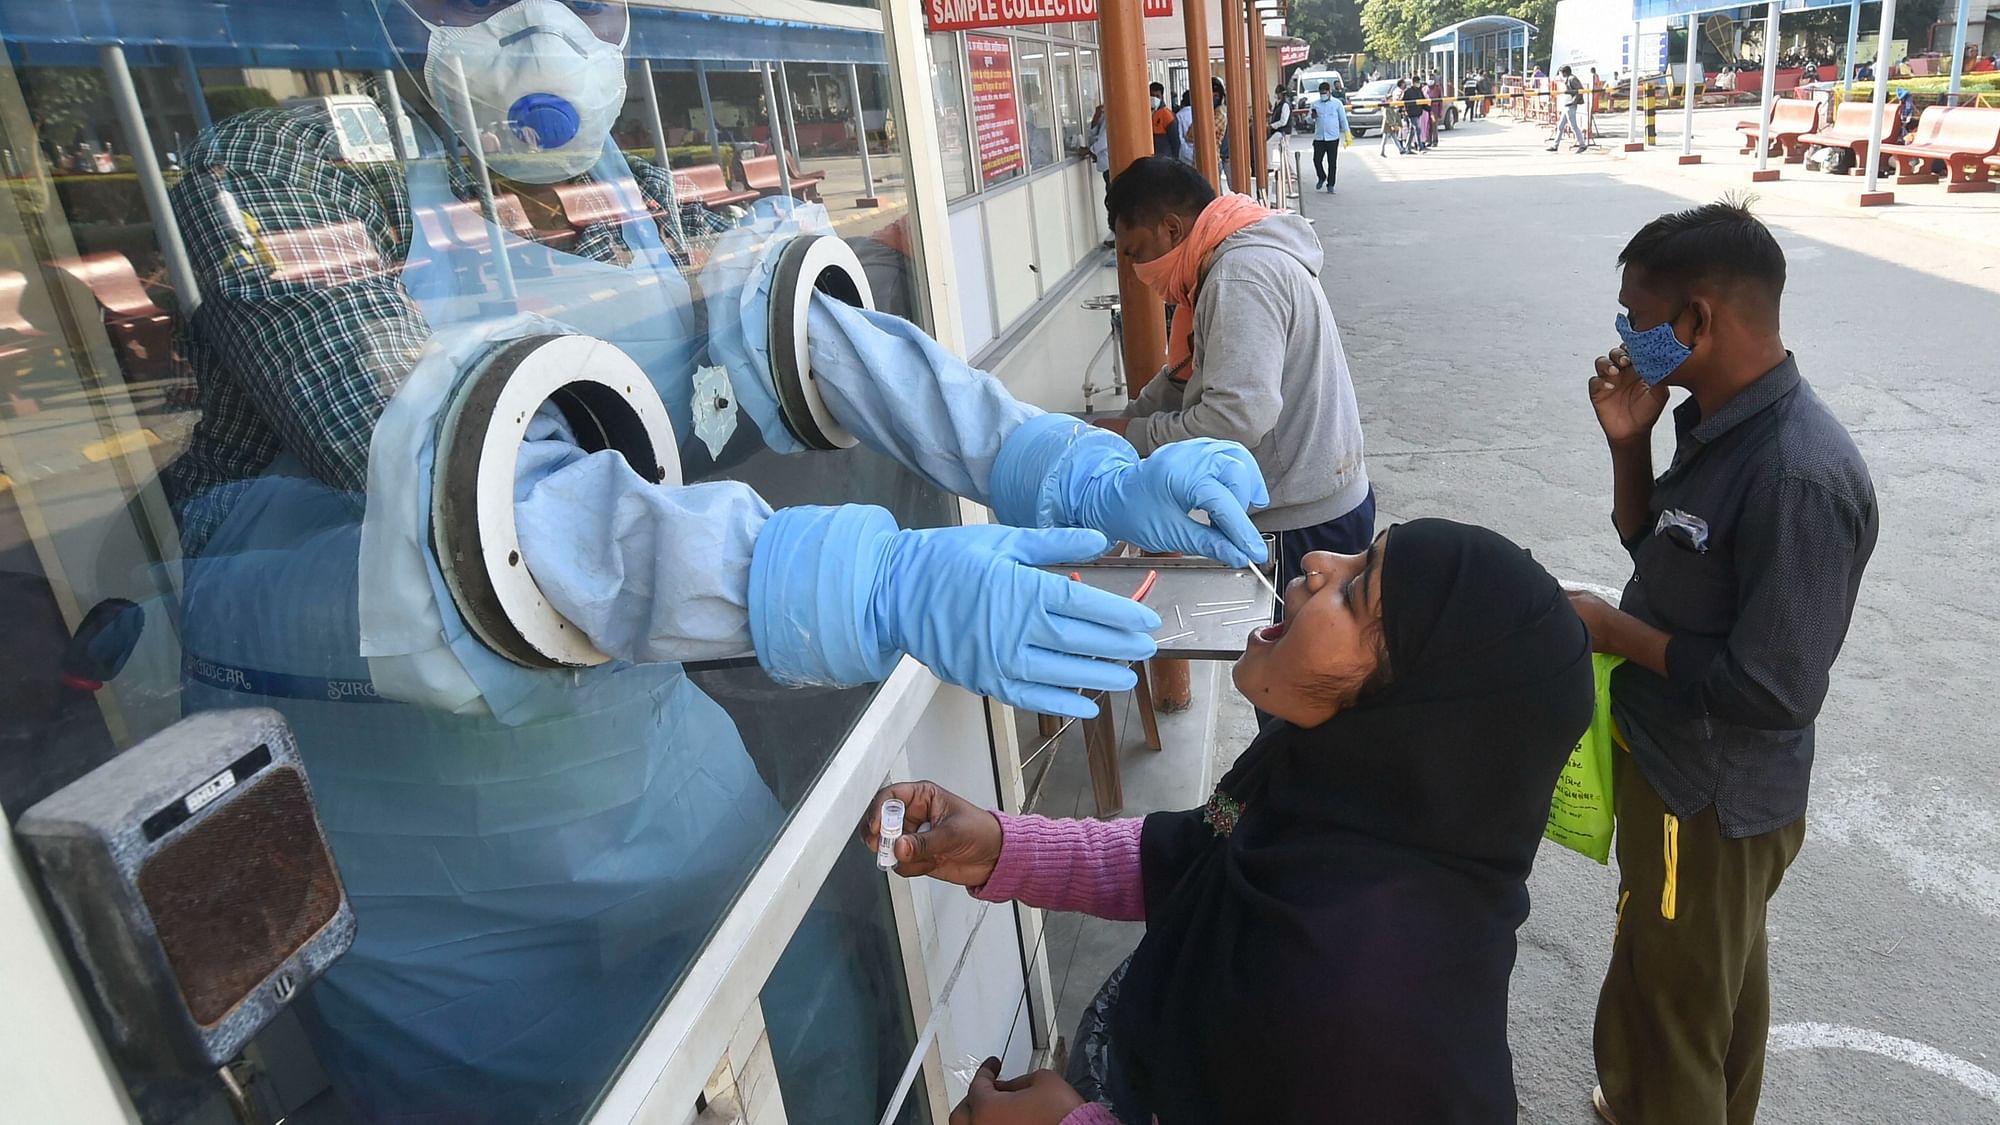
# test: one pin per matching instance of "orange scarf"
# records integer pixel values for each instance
(1176, 274)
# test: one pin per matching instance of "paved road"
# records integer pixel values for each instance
(1473, 286)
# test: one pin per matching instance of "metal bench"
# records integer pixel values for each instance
(707, 185)
(1851, 130)
(1791, 119)
(760, 174)
(141, 332)
(1962, 137)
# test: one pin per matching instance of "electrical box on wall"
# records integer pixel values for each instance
(194, 883)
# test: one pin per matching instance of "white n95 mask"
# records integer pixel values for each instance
(532, 86)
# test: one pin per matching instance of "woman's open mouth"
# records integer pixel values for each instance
(1270, 633)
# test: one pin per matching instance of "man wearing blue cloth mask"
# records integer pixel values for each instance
(1747, 558)
(535, 855)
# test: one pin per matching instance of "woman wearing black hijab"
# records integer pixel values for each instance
(1330, 939)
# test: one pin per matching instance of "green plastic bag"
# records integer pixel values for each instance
(1581, 814)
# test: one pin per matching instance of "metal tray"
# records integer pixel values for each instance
(1206, 610)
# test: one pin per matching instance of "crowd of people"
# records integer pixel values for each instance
(1330, 936)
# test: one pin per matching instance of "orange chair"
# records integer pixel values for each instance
(141, 332)
(707, 185)
(760, 174)
(327, 256)
(1851, 130)
(1791, 118)
(586, 205)
(1960, 136)
(801, 176)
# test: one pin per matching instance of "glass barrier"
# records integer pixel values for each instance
(242, 268)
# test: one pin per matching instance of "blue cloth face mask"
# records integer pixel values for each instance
(1655, 353)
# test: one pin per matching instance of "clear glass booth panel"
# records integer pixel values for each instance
(213, 291)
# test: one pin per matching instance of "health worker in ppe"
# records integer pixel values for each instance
(535, 853)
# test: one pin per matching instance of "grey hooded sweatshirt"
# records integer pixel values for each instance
(1268, 372)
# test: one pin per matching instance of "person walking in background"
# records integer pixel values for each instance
(1747, 559)
(1099, 151)
(1166, 130)
(1329, 131)
(1218, 91)
(1416, 112)
(1434, 120)
(1254, 354)
(1571, 120)
(1184, 123)
(1394, 127)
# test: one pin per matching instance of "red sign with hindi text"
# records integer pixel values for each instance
(963, 15)
(996, 114)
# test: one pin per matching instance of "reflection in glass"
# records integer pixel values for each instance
(1038, 126)
(360, 198)
(954, 123)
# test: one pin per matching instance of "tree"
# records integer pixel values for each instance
(1393, 28)
(1329, 27)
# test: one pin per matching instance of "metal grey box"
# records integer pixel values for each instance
(195, 884)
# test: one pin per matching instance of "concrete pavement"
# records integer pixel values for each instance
(1473, 286)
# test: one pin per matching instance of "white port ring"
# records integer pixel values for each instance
(609, 404)
(809, 264)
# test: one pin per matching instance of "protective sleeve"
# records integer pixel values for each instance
(649, 572)
(909, 399)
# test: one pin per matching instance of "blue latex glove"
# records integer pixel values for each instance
(837, 595)
(1057, 471)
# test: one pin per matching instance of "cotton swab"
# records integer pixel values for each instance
(1265, 580)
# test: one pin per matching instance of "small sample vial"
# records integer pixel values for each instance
(891, 825)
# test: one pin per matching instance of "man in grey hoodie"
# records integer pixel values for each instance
(1267, 368)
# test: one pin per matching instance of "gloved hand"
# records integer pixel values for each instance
(1056, 471)
(837, 595)
(1147, 501)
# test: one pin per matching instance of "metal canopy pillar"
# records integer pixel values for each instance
(394, 99)
(1870, 197)
(1691, 79)
(1632, 141)
(1767, 102)
(191, 78)
(868, 197)
(1958, 55)
(1853, 39)
(152, 185)
(653, 122)
(777, 126)
(1121, 37)
(708, 110)
(1207, 155)
(1236, 80)
(785, 113)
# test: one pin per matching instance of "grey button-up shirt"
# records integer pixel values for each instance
(1757, 612)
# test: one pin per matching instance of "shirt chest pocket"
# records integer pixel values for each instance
(1694, 591)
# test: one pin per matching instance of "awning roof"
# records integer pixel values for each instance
(1481, 25)
(349, 34)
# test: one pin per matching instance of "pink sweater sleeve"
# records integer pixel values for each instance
(1085, 866)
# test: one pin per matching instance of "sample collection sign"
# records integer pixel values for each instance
(963, 15)
(996, 113)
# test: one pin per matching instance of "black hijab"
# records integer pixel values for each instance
(1342, 954)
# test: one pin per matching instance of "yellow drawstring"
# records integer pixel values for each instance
(1619, 928)
(1670, 894)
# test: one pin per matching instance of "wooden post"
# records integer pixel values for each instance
(1207, 158)
(1236, 76)
(1100, 745)
(1121, 35)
